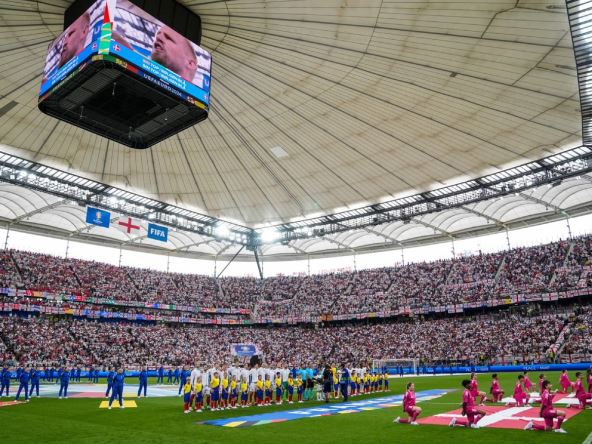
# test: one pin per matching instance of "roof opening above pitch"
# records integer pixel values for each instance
(279, 152)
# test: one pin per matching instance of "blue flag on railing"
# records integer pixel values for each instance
(243, 350)
(158, 232)
(98, 217)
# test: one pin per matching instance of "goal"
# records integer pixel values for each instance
(394, 366)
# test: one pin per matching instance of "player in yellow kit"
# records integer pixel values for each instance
(335, 385)
(225, 394)
(259, 391)
(187, 396)
(244, 392)
(198, 390)
(278, 388)
(267, 385)
(233, 392)
(299, 387)
(215, 392)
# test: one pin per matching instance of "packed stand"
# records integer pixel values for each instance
(45, 273)
(475, 280)
(9, 275)
(314, 295)
(501, 337)
(530, 270)
(105, 280)
(42, 341)
(579, 344)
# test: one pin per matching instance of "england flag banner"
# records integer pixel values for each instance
(98, 217)
(244, 350)
(128, 225)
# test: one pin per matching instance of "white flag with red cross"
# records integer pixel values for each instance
(129, 226)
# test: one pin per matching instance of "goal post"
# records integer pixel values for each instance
(396, 366)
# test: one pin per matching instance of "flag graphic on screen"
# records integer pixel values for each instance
(98, 217)
(105, 39)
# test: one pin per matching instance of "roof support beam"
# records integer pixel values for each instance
(38, 211)
(384, 236)
(195, 244)
(434, 227)
(333, 241)
(545, 203)
(488, 218)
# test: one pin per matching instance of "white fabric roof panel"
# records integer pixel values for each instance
(369, 99)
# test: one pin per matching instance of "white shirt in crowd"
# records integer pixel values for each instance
(195, 373)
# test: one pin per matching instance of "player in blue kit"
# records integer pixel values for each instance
(170, 376)
(176, 377)
(78, 373)
(143, 379)
(64, 382)
(110, 377)
(59, 375)
(160, 379)
(24, 385)
(5, 381)
(183, 377)
(35, 376)
(118, 383)
(344, 382)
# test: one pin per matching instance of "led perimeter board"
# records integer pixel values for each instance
(121, 73)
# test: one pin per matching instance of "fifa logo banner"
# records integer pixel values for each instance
(244, 350)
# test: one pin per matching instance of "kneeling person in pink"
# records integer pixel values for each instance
(475, 389)
(547, 412)
(409, 407)
(564, 381)
(520, 395)
(527, 383)
(496, 392)
(469, 409)
(583, 397)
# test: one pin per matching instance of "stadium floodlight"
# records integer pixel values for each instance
(221, 231)
(269, 235)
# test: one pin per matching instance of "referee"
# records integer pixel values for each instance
(327, 382)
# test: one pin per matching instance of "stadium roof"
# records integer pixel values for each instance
(321, 106)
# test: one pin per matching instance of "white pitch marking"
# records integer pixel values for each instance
(588, 440)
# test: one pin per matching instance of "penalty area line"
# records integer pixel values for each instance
(588, 440)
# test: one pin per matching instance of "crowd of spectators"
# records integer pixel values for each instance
(41, 340)
(579, 343)
(479, 279)
(45, 272)
(9, 275)
(501, 337)
(530, 270)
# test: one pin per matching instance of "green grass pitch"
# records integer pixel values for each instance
(161, 420)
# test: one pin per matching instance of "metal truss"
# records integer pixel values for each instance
(549, 170)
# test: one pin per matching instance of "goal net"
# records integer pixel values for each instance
(396, 366)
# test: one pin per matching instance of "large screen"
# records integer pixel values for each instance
(122, 29)
(73, 46)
